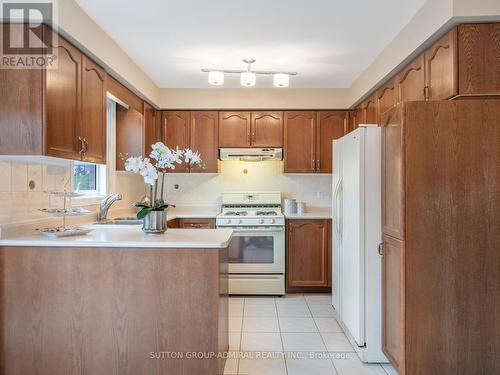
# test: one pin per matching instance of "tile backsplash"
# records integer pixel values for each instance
(23, 186)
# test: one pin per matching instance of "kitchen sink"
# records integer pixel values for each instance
(128, 220)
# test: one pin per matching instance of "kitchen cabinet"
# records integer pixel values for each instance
(197, 223)
(439, 255)
(393, 301)
(387, 97)
(93, 125)
(204, 131)
(411, 81)
(176, 128)
(355, 118)
(173, 223)
(57, 112)
(300, 142)
(441, 68)
(197, 130)
(479, 59)
(370, 110)
(63, 103)
(234, 129)
(152, 127)
(308, 253)
(266, 129)
(330, 125)
(250, 129)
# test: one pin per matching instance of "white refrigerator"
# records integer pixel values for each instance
(357, 267)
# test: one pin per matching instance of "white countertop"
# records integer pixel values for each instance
(313, 213)
(129, 236)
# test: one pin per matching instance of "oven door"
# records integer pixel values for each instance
(257, 250)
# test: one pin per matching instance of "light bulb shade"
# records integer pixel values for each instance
(216, 78)
(281, 80)
(248, 79)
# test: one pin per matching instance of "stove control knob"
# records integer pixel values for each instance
(240, 221)
(273, 221)
(229, 221)
(261, 221)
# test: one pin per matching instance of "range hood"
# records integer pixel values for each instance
(251, 154)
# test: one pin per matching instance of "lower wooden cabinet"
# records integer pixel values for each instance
(308, 254)
(173, 223)
(197, 223)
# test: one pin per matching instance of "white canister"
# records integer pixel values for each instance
(290, 206)
(301, 208)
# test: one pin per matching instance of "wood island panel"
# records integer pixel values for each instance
(111, 310)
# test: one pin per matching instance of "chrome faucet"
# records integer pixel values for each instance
(105, 205)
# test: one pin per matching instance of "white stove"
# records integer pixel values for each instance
(257, 250)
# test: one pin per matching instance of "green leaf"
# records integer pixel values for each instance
(142, 213)
(140, 204)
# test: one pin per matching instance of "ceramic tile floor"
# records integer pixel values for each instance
(292, 335)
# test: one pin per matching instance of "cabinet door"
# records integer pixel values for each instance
(370, 110)
(411, 81)
(299, 147)
(479, 58)
(330, 125)
(152, 127)
(392, 174)
(307, 253)
(267, 129)
(62, 102)
(234, 129)
(176, 129)
(203, 138)
(355, 118)
(393, 302)
(387, 97)
(197, 223)
(129, 135)
(441, 68)
(93, 129)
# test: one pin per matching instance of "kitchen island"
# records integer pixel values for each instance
(116, 301)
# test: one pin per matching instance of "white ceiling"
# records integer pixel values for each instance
(329, 42)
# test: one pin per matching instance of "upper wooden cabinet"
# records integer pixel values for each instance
(355, 118)
(234, 129)
(387, 97)
(267, 129)
(370, 110)
(441, 68)
(197, 130)
(300, 142)
(308, 256)
(479, 59)
(152, 127)
(411, 81)
(63, 90)
(93, 125)
(176, 133)
(203, 138)
(330, 125)
(250, 129)
(58, 112)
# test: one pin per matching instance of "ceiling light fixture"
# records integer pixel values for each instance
(216, 78)
(248, 77)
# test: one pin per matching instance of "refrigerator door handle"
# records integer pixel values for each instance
(336, 207)
(340, 218)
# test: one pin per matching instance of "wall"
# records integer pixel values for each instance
(206, 189)
(220, 98)
(76, 24)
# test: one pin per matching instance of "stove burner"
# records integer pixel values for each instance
(235, 213)
(266, 213)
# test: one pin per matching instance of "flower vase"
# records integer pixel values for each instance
(155, 222)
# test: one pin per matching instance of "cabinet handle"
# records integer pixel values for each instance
(318, 164)
(86, 144)
(253, 137)
(313, 164)
(381, 249)
(249, 139)
(426, 92)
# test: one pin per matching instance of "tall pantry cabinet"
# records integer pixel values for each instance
(441, 237)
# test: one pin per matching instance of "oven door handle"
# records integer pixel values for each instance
(253, 230)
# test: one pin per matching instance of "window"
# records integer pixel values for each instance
(89, 179)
